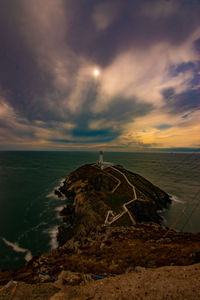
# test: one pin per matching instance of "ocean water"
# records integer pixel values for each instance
(29, 209)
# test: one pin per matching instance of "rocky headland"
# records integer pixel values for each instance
(111, 231)
(99, 196)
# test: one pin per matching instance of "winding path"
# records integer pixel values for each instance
(110, 212)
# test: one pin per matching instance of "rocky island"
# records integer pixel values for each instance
(112, 196)
(111, 231)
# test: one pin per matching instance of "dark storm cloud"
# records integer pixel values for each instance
(189, 100)
(168, 94)
(164, 126)
(184, 67)
(197, 45)
(44, 44)
(97, 137)
(123, 109)
(175, 70)
(135, 25)
(27, 83)
(20, 75)
(120, 110)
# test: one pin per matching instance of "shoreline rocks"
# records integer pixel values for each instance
(108, 251)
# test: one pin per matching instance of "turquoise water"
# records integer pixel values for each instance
(29, 210)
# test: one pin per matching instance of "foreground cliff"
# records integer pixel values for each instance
(110, 251)
(128, 258)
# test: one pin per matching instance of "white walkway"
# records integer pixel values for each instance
(125, 209)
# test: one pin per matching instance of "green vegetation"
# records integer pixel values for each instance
(115, 201)
(123, 221)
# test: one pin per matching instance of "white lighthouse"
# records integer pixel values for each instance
(103, 164)
(101, 158)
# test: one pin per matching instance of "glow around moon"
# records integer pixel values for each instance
(96, 72)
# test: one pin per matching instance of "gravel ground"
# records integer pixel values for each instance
(152, 284)
(173, 282)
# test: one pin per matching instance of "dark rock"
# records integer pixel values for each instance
(70, 194)
(57, 193)
(68, 219)
(102, 182)
(91, 188)
(67, 210)
(197, 256)
(144, 211)
(64, 189)
(64, 234)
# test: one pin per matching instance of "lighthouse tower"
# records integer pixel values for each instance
(103, 164)
(101, 159)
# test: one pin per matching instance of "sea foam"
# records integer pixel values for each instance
(17, 248)
(52, 193)
(53, 235)
(176, 199)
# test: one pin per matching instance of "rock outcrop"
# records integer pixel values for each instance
(94, 192)
(109, 251)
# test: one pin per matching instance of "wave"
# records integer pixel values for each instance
(52, 232)
(17, 248)
(176, 199)
(52, 193)
(32, 229)
(35, 228)
(59, 209)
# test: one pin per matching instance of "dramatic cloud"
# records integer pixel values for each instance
(146, 94)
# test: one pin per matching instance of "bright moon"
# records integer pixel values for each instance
(96, 72)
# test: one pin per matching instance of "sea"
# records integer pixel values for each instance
(29, 209)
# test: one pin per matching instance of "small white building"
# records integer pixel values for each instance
(103, 164)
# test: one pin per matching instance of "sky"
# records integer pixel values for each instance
(112, 75)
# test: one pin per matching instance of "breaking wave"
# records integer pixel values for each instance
(17, 248)
(53, 235)
(53, 195)
(176, 199)
(58, 210)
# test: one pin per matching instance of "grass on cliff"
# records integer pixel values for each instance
(115, 201)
